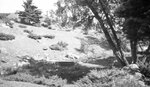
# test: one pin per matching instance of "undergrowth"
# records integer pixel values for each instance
(55, 75)
(60, 46)
(6, 37)
(109, 78)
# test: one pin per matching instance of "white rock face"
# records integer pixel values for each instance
(138, 75)
(134, 67)
(4, 25)
(72, 56)
(3, 50)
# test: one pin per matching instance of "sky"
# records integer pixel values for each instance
(10, 6)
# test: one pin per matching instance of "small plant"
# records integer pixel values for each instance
(62, 44)
(49, 36)
(47, 21)
(109, 78)
(59, 46)
(27, 31)
(34, 36)
(22, 26)
(6, 37)
(52, 81)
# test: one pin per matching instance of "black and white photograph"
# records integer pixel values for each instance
(74, 43)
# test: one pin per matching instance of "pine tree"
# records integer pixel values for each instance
(137, 22)
(31, 15)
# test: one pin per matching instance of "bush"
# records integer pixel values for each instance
(47, 21)
(42, 72)
(60, 46)
(108, 78)
(49, 36)
(34, 36)
(6, 37)
(52, 81)
(22, 26)
(27, 31)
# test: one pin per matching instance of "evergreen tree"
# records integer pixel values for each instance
(31, 14)
(137, 23)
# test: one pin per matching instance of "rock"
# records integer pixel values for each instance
(72, 56)
(4, 25)
(142, 83)
(138, 75)
(56, 47)
(3, 50)
(45, 48)
(134, 67)
(20, 64)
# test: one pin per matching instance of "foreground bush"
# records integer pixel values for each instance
(109, 78)
(51, 81)
(6, 37)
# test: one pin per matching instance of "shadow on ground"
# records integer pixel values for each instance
(89, 40)
(66, 70)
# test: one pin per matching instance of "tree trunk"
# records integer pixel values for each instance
(113, 32)
(133, 45)
(108, 37)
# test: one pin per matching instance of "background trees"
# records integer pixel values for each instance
(131, 18)
(136, 25)
(31, 14)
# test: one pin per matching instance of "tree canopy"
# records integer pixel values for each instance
(31, 14)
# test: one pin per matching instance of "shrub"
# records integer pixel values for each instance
(145, 70)
(62, 44)
(49, 36)
(59, 46)
(34, 36)
(6, 37)
(47, 21)
(108, 78)
(52, 81)
(22, 26)
(27, 31)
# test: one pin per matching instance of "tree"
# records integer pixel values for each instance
(102, 12)
(136, 26)
(31, 14)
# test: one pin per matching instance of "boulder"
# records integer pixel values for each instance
(72, 56)
(138, 75)
(134, 67)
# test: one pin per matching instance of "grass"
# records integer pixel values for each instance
(34, 36)
(6, 37)
(27, 31)
(42, 72)
(51, 81)
(54, 75)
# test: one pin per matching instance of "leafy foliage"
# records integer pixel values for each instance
(108, 78)
(31, 14)
(136, 25)
(6, 37)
